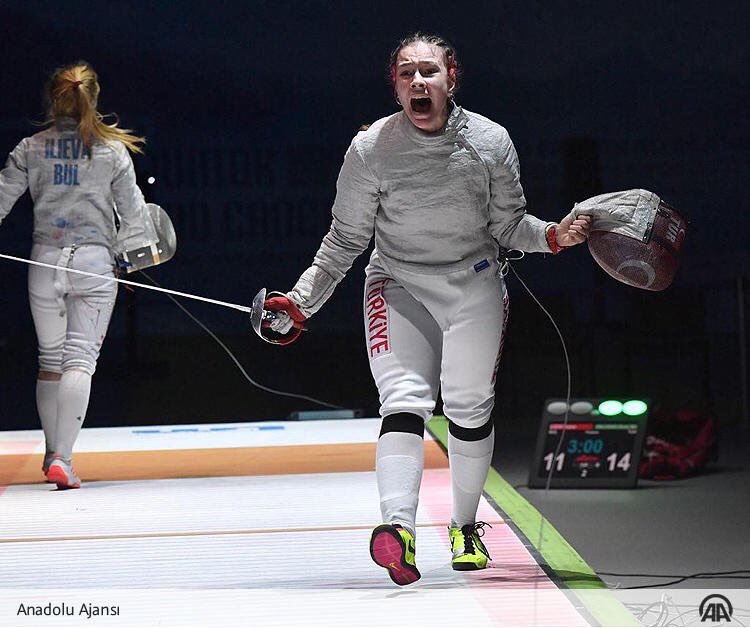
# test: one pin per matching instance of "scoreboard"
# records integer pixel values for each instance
(598, 444)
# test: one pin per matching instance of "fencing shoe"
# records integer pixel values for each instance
(392, 547)
(469, 553)
(61, 473)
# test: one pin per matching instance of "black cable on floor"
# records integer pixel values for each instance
(706, 575)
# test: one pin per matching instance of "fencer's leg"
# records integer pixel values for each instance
(72, 403)
(471, 352)
(89, 302)
(404, 349)
(50, 322)
(47, 386)
(403, 343)
(399, 463)
(398, 467)
(470, 454)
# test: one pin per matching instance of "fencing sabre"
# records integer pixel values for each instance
(256, 311)
(252, 309)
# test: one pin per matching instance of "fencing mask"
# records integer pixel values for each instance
(159, 228)
(635, 237)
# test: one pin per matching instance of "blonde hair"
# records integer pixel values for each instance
(73, 92)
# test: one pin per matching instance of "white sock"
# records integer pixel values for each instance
(72, 402)
(46, 406)
(469, 463)
(399, 461)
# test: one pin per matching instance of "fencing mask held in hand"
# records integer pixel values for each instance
(635, 237)
(160, 229)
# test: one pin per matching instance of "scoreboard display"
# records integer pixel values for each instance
(598, 444)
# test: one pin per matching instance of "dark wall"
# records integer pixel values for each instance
(248, 109)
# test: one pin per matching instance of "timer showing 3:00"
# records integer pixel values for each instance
(585, 445)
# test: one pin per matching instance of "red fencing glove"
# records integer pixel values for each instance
(283, 318)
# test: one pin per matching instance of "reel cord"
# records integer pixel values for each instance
(518, 255)
(273, 391)
(513, 256)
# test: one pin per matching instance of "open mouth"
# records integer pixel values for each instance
(421, 105)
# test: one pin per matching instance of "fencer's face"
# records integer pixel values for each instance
(423, 85)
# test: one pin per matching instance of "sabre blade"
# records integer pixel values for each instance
(234, 306)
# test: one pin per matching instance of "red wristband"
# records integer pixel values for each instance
(552, 240)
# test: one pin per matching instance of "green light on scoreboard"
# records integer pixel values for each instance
(634, 407)
(613, 407)
(610, 407)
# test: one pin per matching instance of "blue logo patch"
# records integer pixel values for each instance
(481, 265)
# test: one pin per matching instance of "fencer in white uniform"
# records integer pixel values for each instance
(438, 187)
(80, 177)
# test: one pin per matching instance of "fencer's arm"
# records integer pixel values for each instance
(510, 224)
(14, 179)
(352, 228)
(135, 228)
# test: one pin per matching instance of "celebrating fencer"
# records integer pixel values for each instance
(438, 187)
(79, 173)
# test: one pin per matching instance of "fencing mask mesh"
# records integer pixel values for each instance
(635, 237)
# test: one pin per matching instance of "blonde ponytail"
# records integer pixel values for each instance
(73, 92)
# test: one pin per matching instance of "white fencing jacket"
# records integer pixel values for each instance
(76, 193)
(435, 203)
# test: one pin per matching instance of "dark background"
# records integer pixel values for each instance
(248, 109)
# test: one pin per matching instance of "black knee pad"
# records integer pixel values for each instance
(403, 422)
(471, 433)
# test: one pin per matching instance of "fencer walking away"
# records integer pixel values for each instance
(438, 186)
(78, 172)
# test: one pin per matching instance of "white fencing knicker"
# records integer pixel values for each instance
(431, 331)
(71, 312)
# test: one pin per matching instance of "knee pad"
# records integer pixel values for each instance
(471, 433)
(403, 422)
